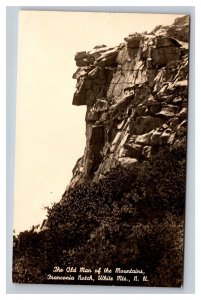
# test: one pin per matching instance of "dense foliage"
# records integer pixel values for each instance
(131, 218)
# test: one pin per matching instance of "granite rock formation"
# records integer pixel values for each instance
(136, 97)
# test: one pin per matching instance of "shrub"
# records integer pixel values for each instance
(133, 217)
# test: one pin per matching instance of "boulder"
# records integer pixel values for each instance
(80, 55)
(108, 163)
(163, 55)
(133, 150)
(133, 40)
(82, 59)
(153, 106)
(97, 52)
(84, 62)
(127, 161)
(108, 58)
(153, 138)
(145, 124)
(144, 138)
(168, 111)
(166, 98)
(139, 111)
(164, 41)
(156, 138)
(121, 103)
(183, 113)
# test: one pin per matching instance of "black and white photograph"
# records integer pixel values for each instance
(101, 147)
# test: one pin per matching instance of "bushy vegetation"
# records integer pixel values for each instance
(134, 217)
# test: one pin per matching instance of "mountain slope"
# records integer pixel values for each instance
(136, 98)
(124, 207)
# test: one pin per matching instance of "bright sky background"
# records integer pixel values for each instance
(50, 131)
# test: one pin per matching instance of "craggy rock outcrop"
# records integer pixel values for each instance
(178, 30)
(136, 97)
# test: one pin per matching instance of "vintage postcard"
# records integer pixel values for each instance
(101, 135)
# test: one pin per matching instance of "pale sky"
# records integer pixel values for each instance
(50, 131)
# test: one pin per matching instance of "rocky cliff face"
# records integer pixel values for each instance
(133, 217)
(136, 97)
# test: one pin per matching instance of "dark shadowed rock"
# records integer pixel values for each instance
(80, 55)
(168, 110)
(163, 41)
(163, 55)
(97, 135)
(133, 150)
(133, 40)
(145, 124)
